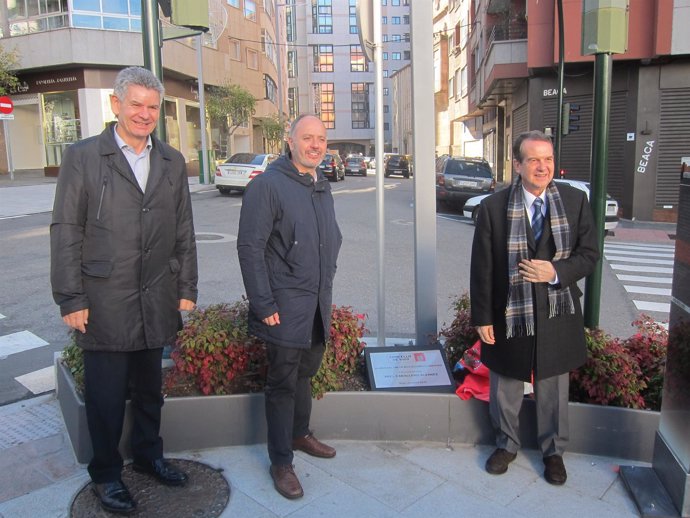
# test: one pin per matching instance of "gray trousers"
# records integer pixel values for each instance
(551, 395)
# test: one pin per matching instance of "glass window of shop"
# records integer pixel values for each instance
(28, 16)
(193, 118)
(172, 127)
(114, 15)
(61, 124)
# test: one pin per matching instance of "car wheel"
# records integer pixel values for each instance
(224, 190)
(475, 214)
(406, 175)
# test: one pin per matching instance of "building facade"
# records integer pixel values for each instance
(512, 85)
(329, 74)
(71, 50)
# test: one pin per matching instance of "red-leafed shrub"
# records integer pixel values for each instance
(648, 347)
(461, 334)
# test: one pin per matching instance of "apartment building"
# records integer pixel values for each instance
(328, 73)
(71, 50)
(511, 85)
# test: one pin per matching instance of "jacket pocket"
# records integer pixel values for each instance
(101, 269)
(174, 265)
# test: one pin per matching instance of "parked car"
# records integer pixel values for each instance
(332, 167)
(460, 178)
(471, 208)
(237, 171)
(397, 164)
(356, 165)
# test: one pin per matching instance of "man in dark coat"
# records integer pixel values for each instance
(288, 244)
(123, 264)
(532, 243)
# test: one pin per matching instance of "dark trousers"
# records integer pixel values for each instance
(109, 378)
(288, 393)
(551, 397)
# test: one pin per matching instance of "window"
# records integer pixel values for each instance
(384, 2)
(386, 108)
(396, 56)
(252, 59)
(396, 37)
(385, 55)
(324, 103)
(384, 38)
(290, 24)
(293, 102)
(385, 91)
(268, 7)
(268, 46)
(395, 20)
(250, 10)
(451, 87)
(353, 17)
(44, 15)
(234, 3)
(406, 54)
(463, 81)
(406, 19)
(235, 50)
(406, 36)
(384, 20)
(360, 105)
(395, 2)
(323, 58)
(358, 63)
(292, 63)
(386, 126)
(322, 16)
(271, 89)
(385, 72)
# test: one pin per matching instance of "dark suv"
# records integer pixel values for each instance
(332, 167)
(397, 164)
(459, 179)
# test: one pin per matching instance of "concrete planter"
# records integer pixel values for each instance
(215, 421)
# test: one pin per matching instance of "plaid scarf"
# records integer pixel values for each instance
(520, 307)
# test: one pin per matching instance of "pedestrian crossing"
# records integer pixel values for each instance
(646, 271)
(39, 381)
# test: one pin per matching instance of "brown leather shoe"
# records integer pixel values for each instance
(311, 445)
(285, 481)
(554, 470)
(497, 464)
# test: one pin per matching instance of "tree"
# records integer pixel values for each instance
(274, 131)
(8, 62)
(229, 106)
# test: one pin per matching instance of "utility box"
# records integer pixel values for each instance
(604, 26)
(190, 13)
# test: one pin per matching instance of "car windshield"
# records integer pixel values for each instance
(245, 158)
(464, 168)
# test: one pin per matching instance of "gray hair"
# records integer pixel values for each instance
(136, 76)
(528, 135)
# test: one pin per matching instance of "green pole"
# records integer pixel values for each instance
(558, 138)
(599, 174)
(150, 35)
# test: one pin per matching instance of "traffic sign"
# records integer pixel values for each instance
(6, 105)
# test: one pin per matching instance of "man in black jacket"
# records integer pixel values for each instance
(123, 264)
(288, 244)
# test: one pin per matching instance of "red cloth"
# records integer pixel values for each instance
(476, 382)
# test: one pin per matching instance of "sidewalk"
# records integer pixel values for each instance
(39, 478)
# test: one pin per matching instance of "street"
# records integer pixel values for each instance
(31, 330)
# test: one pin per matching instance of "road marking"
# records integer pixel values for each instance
(640, 260)
(637, 253)
(660, 307)
(648, 291)
(642, 278)
(2, 316)
(640, 245)
(19, 342)
(214, 237)
(40, 381)
(646, 269)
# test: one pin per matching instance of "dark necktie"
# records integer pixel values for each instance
(537, 219)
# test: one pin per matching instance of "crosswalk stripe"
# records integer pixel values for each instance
(640, 260)
(40, 381)
(644, 278)
(660, 307)
(2, 316)
(19, 342)
(622, 244)
(636, 253)
(644, 290)
(646, 269)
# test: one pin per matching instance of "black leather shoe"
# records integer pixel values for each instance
(497, 464)
(115, 497)
(162, 471)
(554, 470)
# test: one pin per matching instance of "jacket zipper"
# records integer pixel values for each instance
(100, 202)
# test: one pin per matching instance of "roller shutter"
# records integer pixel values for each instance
(674, 143)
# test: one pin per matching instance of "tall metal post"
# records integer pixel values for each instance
(150, 34)
(561, 67)
(202, 107)
(380, 219)
(599, 174)
(426, 318)
(279, 61)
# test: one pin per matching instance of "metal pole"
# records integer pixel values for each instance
(599, 174)
(279, 63)
(202, 107)
(150, 34)
(380, 221)
(561, 66)
(425, 177)
(8, 146)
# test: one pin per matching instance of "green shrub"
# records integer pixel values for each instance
(73, 359)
